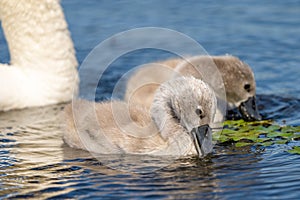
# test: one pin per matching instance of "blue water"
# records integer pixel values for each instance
(34, 162)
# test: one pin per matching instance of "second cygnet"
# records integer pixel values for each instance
(238, 79)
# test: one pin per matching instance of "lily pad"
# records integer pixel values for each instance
(264, 133)
(295, 150)
(242, 144)
(281, 141)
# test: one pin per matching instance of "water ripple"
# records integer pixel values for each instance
(35, 164)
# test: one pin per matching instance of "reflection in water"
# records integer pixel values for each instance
(36, 163)
(31, 139)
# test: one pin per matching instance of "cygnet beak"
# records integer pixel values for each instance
(249, 110)
(202, 137)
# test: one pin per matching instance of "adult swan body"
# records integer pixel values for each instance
(43, 66)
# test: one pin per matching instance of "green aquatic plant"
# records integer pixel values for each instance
(295, 150)
(264, 133)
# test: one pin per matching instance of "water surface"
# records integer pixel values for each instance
(35, 163)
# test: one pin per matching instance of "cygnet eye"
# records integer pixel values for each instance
(199, 112)
(247, 87)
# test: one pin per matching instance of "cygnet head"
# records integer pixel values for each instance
(237, 76)
(240, 85)
(190, 104)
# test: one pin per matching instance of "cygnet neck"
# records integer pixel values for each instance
(163, 114)
(174, 134)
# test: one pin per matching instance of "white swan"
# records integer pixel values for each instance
(43, 66)
(181, 115)
(239, 81)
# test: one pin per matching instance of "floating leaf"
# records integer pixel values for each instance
(266, 144)
(242, 144)
(295, 150)
(260, 140)
(264, 133)
(290, 129)
(281, 141)
(280, 135)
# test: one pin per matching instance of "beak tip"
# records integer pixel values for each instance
(249, 110)
(203, 140)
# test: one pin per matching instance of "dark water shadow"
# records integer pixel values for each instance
(283, 110)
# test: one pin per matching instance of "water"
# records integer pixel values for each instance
(35, 163)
